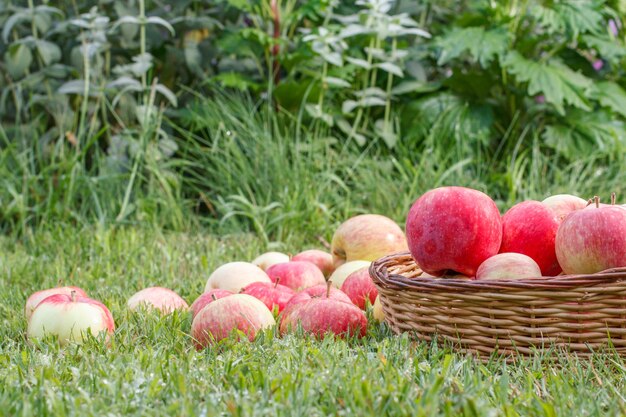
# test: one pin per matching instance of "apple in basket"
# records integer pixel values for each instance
(592, 240)
(508, 266)
(453, 228)
(366, 237)
(530, 228)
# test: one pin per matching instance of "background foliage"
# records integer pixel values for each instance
(247, 113)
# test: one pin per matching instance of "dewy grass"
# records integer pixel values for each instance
(152, 368)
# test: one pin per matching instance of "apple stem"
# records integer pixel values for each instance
(213, 297)
(277, 281)
(596, 199)
(328, 285)
(73, 296)
(613, 199)
(589, 202)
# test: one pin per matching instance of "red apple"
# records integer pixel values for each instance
(268, 259)
(69, 317)
(453, 228)
(508, 266)
(592, 240)
(234, 276)
(564, 204)
(366, 237)
(296, 274)
(319, 291)
(39, 296)
(343, 271)
(159, 298)
(217, 320)
(530, 228)
(360, 288)
(207, 298)
(273, 295)
(321, 316)
(323, 260)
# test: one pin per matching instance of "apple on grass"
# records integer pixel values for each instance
(321, 316)
(274, 296)
(158, 298)
(508, 266)
(319, 291)
(366, 237)
(237, 312)
(592, 240)
(360, 288)
(378, 313)
(323, 260)
(207, 298)
(37, 297)
(453, 228)
(69, 318)
(268, 259)
(296, 275)
(343, 271)
(564, 204)
(530, 228)
(233, 276)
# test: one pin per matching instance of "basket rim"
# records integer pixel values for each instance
(383, 278)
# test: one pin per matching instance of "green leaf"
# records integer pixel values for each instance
(13, 20)
(610, 95)
(558, 83)
(17, 60)
(571, 17)
(156, 20)
(610, 49)
(482, 45)
(48, 51)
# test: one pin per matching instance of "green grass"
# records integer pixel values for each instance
(151, 367)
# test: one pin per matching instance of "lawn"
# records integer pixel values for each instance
(151, 367)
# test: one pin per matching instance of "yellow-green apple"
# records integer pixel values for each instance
(207, 298)
(233, 276)
(217, 320)
(36, 297)
(366, 237)
(564, 204)
(69, 318)
(158, 298)
(273, 295)
(296, 275)
(341, 273)
(453, 228)
(321, 316)
(592, 240)
(268, 259)
(378, 313)
(323, 260)
(508, 266)
(360, 288)
(530, 228)
(319, 291)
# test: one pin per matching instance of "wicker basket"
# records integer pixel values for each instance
(579, 313)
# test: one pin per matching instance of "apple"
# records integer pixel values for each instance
(233, 276)
(207, 298)
(217, 320)
(343, 271)
(296, 274)
(360, 288)
(530, 228)
(453, 228)
(508, 266)
(592, 240)
(366, 237)
(36, 297)
(268, 259)
(323, 260)
(378, 313)
(319, 291)
(69, 317)
(447, 276)
(321, 316)
(564, 204)
(274, 296)
(159, 298)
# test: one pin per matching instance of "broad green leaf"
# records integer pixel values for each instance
(391, 68)
(610, 49)
(570, 17)
(156, 20)
(167, 93)
(17, 60)
(482, 45)
(610, 95)
(407, 87)
(359, 62)
(72, 87)
(48, 51)
(13, 20)
(558, 83)
(336, 82)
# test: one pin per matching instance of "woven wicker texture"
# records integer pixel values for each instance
(581, 313)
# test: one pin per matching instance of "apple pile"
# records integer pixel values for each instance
(315, 291)
(459, 232)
